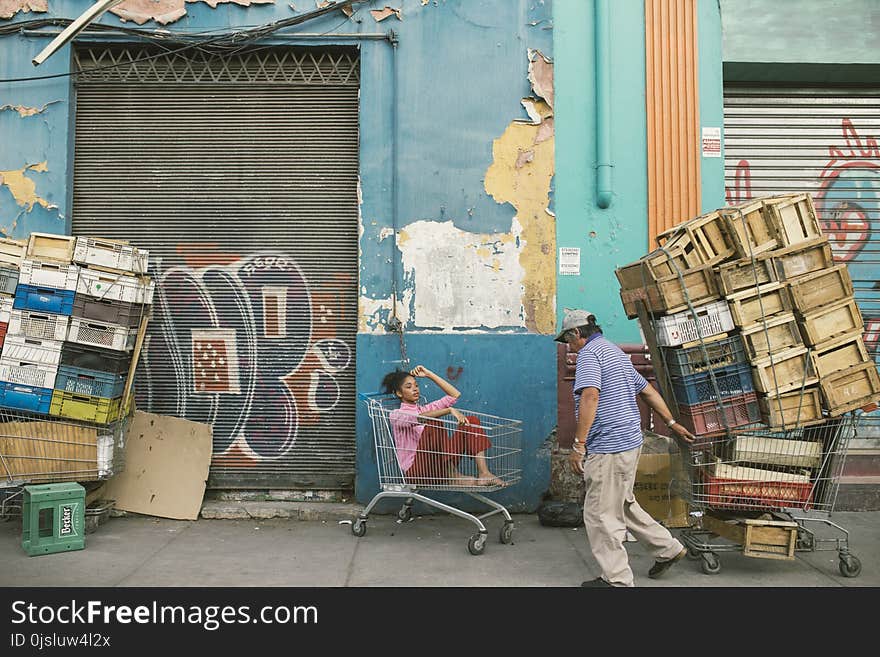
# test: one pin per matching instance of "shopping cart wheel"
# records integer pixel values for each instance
(850, 566)
(506, 533)
(710, 565)
(476, 544)
(359, 527)
(405, 514)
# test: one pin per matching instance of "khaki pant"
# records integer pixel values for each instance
(610, 508)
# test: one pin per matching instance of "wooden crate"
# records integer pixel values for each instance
(744, 273)
(850, 389)
(707, 233)
(762, 539)
(48, 451)
(784, 371)
(754, 304)
(750, 228)
(792, 409)
(659, 264)
(12, 252)
(840, 353)
(801, 259)
(55, 248)
(794, 219)
(776, 451)
(775, 334)
(668, 296)
(830, 321)
(821, 288)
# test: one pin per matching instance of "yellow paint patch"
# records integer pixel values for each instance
(483, 252)
(527, 188)
(402, 237)
(24, 190)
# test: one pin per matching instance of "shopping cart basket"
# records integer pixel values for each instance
(502, 458)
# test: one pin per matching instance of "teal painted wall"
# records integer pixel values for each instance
(617, 235)
(711, 81)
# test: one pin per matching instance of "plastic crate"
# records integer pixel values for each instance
(8, 280)
(743, 494)
(691, 360)
(706, 419)
(99, 334)
(29, 374)
(32, 350)
(93, 358)
(4, 327)
(42, 326)
(43, 299)
(110, 311)
(28, 398)
(110, 254)
(49, 274)
(698, 388)
(88, 408)
(5, 309)
(677, 329)
(117, 287)
(89, 382)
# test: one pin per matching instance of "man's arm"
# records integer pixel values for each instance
(651, 397)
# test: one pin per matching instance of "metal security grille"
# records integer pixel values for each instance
(822, 141)
(239, 174)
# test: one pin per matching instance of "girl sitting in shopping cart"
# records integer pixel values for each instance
(425, 452)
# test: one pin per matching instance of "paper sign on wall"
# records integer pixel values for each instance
(711, 142)
(569, 261)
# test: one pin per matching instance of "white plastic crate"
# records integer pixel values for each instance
(29, 374)
(33, 324)
(48, 274)
(100, 334)
(110, 254)
(117, 287)
(31, 350)
(712, 319)
(6, 309)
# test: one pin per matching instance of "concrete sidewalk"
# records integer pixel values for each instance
(427, 551)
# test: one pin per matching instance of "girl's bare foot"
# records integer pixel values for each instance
(490, 480)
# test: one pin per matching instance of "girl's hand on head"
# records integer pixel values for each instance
(419, 370)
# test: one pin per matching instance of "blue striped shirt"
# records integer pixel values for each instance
(618, 424)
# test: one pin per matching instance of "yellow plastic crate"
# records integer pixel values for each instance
(100, 410)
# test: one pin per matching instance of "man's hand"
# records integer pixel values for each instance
(458, 415)
(682, 433)
(576, 459)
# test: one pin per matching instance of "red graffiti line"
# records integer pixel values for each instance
(871, 335)
(742, 184)
(453, 374)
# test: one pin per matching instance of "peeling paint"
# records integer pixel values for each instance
(373, 314)
(541, 75)
(385, 233)
(167, 11)
(25, 111)
(24, 190)
(524, 158)
(380, 15)
(9, 8)
(458, 282)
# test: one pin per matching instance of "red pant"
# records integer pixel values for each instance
(438, 452)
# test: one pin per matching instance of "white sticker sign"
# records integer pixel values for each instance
(569, 261)
(711, 142)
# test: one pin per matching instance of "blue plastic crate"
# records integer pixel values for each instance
(28, 398)
(89, 382)
(698, 388)
(45, 299)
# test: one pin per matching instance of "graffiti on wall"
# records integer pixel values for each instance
(847, 199)
(252, 348)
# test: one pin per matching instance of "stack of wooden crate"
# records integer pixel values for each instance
(75, 329)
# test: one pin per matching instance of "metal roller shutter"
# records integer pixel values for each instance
(822, 141)
(239, 173)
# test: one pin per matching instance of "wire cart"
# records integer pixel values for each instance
(37, 449)
(756, 343)
(502, 457)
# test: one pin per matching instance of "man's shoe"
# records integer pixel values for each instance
(596, 583)
(661, 567)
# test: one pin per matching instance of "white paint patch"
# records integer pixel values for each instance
(373, 313)
(463, 279)
(385, 233)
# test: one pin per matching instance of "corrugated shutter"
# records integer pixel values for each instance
(240, 175)
(822, 141)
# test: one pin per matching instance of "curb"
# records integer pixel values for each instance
(217, 510)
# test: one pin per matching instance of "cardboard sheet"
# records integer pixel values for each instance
(166, 467)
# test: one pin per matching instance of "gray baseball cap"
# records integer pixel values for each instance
(572, 318)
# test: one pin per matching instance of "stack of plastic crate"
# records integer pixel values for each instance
(38, 323)
(12, 252)
(111, 302)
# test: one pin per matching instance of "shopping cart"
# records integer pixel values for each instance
(750, 489)
(502, 458)
(36, 449)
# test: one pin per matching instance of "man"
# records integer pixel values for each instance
(607, 443)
